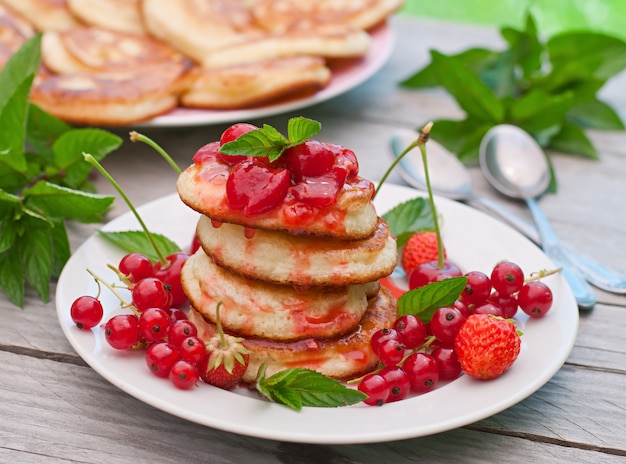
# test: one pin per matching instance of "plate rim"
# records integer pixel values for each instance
(243, 420)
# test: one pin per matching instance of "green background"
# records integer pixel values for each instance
(552, 16)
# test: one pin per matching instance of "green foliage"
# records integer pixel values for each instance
(546, 87)
(43, 181)
(411, 216)
(424, 301)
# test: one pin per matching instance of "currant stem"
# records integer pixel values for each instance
(541, 274)
(90, 159)
(137, 137)
(99, 280)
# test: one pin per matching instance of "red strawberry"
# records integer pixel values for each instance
(487, 345)
(227, 359)
(420, 248)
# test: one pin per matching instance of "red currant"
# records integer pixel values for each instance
(180, 330)
(508, 303)
(462, 307)
(256, 189)
(447, 362)
(192, 350)
(169, 274)
(489, 308)
(184, 375)
(122, 331)
(431, 272)
(177, 314)
(398, 381)
(422, 370)
(411, 330)
(154, 324)
(477, 289)
(136, 266)
(535, 299)
(150, 292)
(380, 336)
(86, 312)
(391, 352)
(446, 323)
(161, 357)
(376, 388)
(507, 278)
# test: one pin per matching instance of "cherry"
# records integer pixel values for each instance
(422, 370)
(507, 278)
(154, 324)
(184, 375)
(477, 289)
(430, 272)
(180, 330)
(169, 274)
(398, 381)
(346, 158)
(535, 299)
(411, 330)
(151, 292)
(256, 189)
(86, 312)
(161, 357)
(309, 159)
(122, 331)
(447, 362)
(391, 352)
(380, 336)
(323, 190)
(232, 133)
(376, 388)
(136, 266)
(446, 323)
(206, 153)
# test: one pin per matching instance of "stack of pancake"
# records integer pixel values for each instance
(115, 62)
(301, 294)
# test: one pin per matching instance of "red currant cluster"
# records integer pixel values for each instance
(416, 354)
(173, 349)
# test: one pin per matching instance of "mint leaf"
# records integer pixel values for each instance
(301, 129)
(409, 217)
(135, 241)
(12, 279)
(300, 387)
(595, 114)
(43, 130)
(424, 301)
(572, 139)
(37, 257)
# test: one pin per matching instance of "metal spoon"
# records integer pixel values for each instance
(450, 178)
(515, 165)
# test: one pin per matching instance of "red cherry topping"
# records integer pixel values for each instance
(206, 153)
(321, 191)
(309, 159)
(256, 189)
(232, 133)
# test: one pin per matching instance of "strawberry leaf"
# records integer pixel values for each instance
(424, 301)
(409, 217)
(300, 387)
(135, 241)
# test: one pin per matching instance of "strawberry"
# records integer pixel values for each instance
(487, 345)
(420, 248)
(227, 359)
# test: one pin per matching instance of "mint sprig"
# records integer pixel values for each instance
(268, 142)
(548, 88)
(44, 181)
(424, 301)
(409, 217)
(299, 387)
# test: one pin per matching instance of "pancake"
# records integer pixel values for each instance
(253, 84)
(44, 15)
(344, 357)
(86, 49)
(115, 15)
(299, 260)
(14, 32)
(111, 98)
(202, 187)
(288, 15)
(253, 308)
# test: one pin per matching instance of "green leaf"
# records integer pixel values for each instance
(301, 129)
(424, 301)
(409, 217)
(595, 114)
(572, 139)
(526, 46)
(37, 256)
(300, 387)
(43, 130)
(136, 241)
(57, 201)
(13, 128)
(59, 247)
(265, 141)
(69, 148)
(12, 279)
(23, 65)
(472, 95)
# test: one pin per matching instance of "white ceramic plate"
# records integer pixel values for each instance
(346, 75)
(474, 240)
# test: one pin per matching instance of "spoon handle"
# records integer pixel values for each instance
(550, 243)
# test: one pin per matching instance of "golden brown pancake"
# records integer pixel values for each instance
(14, 32)
(347, 356)
(111, 98)
(253, 308)
(248, 85)
(202, 187)
(116, 15)
(299, 260)
(44, 15)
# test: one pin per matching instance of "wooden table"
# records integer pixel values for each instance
(55, 408)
